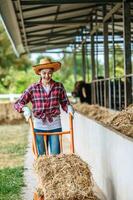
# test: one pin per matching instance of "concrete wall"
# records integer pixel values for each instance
(109, 154)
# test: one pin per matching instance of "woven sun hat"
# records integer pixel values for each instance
(46, 63)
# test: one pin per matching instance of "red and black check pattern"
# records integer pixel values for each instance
(44, 105)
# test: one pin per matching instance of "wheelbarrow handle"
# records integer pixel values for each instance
(71, 133)
(70, 122)
(34, 147)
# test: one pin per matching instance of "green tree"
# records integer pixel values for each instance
(11, 67)
(119, 62)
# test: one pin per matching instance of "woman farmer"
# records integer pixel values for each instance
(46, 97)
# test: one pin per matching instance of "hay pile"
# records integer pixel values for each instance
(8, 115)
(64, 177)
(94, 111)
(120, 121)
(123, 121)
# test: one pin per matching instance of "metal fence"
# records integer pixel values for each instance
(10, 97)
(115, 93)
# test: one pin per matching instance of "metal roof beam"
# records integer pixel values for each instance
(58, 35)
(114, 10)
(70, 18)
(107, 17)
(69, 34)
(46, 37)
(63, 22)
(34, 8)
(45, 48)
(11, 26)
(69, 42)
(57, 23)
(60, 39)
(63, 12)
(23, 26)
(58, 29)
(59, 2)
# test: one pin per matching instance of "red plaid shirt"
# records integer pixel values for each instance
(44, 106)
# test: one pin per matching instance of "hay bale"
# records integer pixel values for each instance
(64, 177)
(9, 115)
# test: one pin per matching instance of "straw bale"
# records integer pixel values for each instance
(8, 114)
(64, 177)
(92, 196)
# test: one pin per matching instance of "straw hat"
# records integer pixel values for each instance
(46, 63)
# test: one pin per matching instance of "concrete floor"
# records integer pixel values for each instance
(29, 175)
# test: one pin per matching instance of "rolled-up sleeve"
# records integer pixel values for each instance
(64, 101)
(23, 100)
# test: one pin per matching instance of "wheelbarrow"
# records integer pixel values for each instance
(45, 134)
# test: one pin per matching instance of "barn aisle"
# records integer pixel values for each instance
(30, 179)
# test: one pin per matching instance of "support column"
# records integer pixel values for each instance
(83, 59)
(107, 96)
(93, 58)
(97, 68)
(93, 66)
(127, 52)
(75, 64)
(114, 63)
(87, 64)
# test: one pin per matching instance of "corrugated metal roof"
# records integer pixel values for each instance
(43, 25)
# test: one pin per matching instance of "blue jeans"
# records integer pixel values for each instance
(52, 141)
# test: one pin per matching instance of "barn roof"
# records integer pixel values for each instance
(41, 25)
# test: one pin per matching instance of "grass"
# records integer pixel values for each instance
(13, 142)
(11, 183)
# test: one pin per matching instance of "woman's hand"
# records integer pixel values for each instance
(26, 113)
(71, 110)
